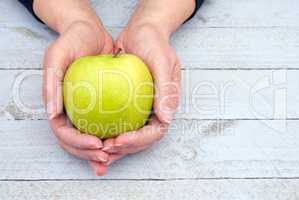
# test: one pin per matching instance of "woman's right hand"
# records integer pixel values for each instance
(80, 39)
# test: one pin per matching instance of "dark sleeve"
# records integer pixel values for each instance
(198, 4)
(29, 5)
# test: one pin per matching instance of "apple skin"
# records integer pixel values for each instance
(108, 95)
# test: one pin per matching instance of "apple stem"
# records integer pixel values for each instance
(118, 52)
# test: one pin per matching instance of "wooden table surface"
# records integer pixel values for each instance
(235, 136)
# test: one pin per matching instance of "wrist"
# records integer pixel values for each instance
(140, 25)
(64, 25)
(96, 27)
(165, 15)
(68, 13)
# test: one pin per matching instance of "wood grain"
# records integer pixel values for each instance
(214, 48)
(191, 149)
(229, 36)
(152, 190)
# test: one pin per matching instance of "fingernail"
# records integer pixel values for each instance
(50, 110)
(52, 116)
(106, 148)
(101, 159)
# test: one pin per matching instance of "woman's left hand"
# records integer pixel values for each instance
(152, 46)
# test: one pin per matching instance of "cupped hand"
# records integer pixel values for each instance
(154, 49)
(79, 39)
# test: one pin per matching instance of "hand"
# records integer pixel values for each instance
(153, 47)
(79, 39)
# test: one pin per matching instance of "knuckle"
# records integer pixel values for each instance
(55, 51)
(176, 74)
(57, 131)
(127, 142)
(174, 102)
(168, 88)
(62, 145)
(162, 131)
(168, 102)
(89, 143)
(52, 50)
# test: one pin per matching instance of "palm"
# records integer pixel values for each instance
(154, 49)
(148, 44)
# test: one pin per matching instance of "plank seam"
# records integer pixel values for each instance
(154, 179)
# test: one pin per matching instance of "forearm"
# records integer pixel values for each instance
(166, 15)
(59, 15)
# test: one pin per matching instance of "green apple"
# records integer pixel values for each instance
(107, 95)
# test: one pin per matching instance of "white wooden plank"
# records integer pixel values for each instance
(254, 13)
(206, 94)
(24, 46)
(265, 47)
(152, 190)
(214, 13)
(231, 94)
(238, 48)
(21, 95)
(191, 149)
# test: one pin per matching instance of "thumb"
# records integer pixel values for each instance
(55, 63)
(167, 90)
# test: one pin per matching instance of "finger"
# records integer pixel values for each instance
(166, 89)
(99, 168)
(176, 78)
(123, 149)
(118, 45)
(94, 155)
(107, 48)
(113, 158)
(132, 149)
(109, 146)
(144, 136)
(166, 100)
(72, 136)
(108, 142)
(56, 60)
